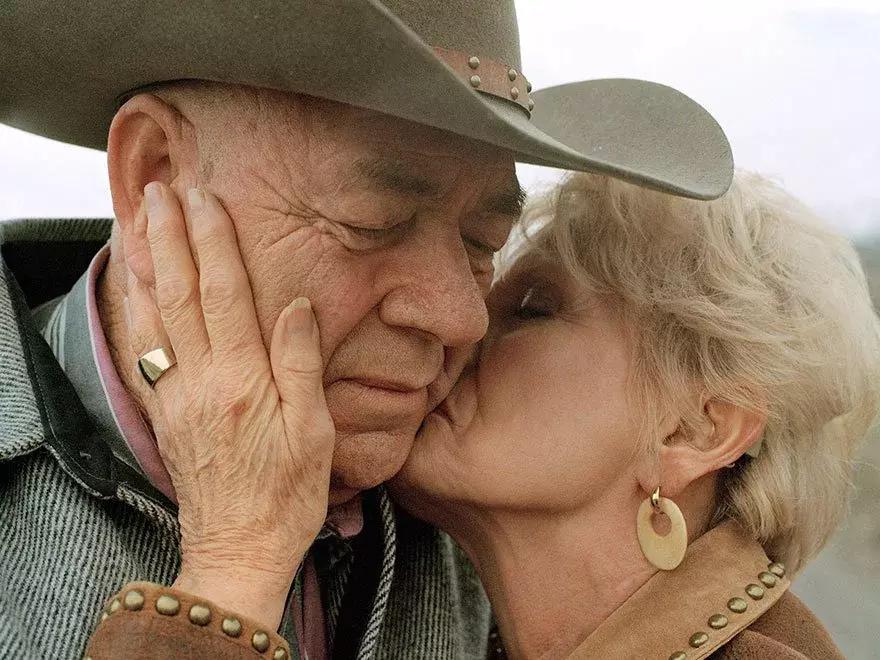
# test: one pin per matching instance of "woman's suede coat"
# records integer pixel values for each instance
(696, 610)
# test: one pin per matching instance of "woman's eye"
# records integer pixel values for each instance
(536, 303)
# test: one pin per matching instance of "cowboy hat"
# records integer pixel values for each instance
(453, 64)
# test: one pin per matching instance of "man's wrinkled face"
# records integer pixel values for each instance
(389, 228)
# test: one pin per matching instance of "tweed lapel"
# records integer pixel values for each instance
(38, 405)
(21, 428)
(21, 424)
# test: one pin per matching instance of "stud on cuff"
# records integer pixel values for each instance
(144, 599)
(260, 641)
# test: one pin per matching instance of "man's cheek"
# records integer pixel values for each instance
(340, 302)
(292, 268)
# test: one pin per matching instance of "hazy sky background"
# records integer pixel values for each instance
(795, 84)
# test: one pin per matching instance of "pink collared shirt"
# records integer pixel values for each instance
(345, 520)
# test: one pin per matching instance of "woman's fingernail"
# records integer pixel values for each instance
(301, 315)
(196, 200)
(153, 196)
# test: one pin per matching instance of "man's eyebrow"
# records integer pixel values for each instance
(509, 203)
(395, 176)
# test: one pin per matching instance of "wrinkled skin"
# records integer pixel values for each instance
(250, 465)
(397, 280)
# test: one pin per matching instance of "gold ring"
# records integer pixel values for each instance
(155, 363)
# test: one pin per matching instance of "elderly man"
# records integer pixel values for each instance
(364, 155)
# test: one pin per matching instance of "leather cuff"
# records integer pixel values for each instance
(147, 620)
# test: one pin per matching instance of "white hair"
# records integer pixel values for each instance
(753, 300)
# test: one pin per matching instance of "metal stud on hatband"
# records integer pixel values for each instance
(115, 605)
(474, 62)
(514, 93)
(511, 74)
(678, 655)
(767, 579)
(167, 605)
(280, 654)
(529, 87)
(531, 105)
(476, 81)
(200, 614)
(777, 568)
(260, 641)
(717, 621)
(231, 627)
(698, 639)
(737, 605)
(134, 600)
(754, 591)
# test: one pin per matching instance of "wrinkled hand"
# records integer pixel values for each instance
(244, 433)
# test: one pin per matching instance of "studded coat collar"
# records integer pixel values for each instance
(723, 585)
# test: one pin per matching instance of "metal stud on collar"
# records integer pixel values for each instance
(737, 605)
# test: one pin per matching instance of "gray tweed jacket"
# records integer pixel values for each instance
(77, 523)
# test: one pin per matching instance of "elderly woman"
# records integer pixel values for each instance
(657, 432)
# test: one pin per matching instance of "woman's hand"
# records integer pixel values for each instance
(244, 433)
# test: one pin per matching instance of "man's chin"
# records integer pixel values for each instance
(364, 460)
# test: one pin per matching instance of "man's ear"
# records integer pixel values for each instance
(729, 430)
(149, 140)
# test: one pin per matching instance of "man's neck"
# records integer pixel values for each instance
(109, 294)
(552, 579)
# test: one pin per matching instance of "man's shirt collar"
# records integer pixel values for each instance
(75, 334)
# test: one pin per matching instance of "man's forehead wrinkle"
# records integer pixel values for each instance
(270, 192)
(276, 160)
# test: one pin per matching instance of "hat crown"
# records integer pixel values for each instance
(486, 28)
(441, 63)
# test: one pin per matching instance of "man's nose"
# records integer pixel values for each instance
(439, 295)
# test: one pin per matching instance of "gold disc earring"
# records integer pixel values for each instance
(664, 552)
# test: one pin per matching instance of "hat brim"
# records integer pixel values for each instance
(64, 67)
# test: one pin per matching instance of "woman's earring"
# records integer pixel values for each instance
(664, 552)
